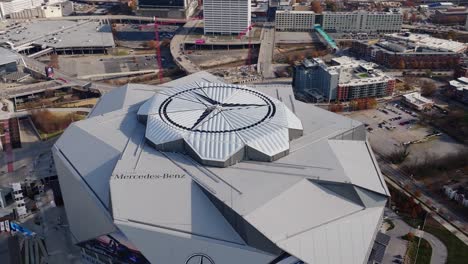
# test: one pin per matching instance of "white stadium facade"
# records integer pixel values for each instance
(197, 171)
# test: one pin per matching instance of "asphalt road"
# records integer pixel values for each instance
(39, 67)
(177, 49)
(265, 57)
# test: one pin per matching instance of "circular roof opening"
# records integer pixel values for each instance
(220, 124)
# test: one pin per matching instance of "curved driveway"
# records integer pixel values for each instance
(397, 246)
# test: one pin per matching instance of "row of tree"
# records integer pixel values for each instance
(330, 5)
(354, 105)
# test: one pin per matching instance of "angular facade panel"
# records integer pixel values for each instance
(244, 176)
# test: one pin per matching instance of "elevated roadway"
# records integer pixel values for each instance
(177, 48)
(39, 67)
(265, 56)
(112, 18)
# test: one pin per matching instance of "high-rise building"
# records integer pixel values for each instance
(294, 20)
(202, 171)
(346, 79)
(358, 21)
(226, 16)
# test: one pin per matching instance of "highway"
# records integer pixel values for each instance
(39, 67)
(177, 43)
(116, 18)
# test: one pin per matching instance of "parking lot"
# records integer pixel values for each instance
(390, 128)
(90, 65)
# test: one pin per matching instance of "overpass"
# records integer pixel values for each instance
(330, 42)
(113, 18)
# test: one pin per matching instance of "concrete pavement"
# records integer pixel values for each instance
(39, 67)
(398, 179)
(177, 43)
(265, 56)
(398, 246)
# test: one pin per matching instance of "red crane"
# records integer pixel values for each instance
(157, 40)
(242, 34)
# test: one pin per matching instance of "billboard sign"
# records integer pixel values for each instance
(49, 71)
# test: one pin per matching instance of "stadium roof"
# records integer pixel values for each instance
(320, 202)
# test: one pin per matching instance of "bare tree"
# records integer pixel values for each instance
(428, 88)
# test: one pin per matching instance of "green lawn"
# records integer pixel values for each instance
(457, 250)
(45, 136)
(424, 253)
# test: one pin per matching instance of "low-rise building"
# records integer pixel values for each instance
(455, 15)
(411, 51)
(457, 192)
(8, 61)
(459, 89)
(7, 7)
(417, 101)
(344, 79)
(45, 11)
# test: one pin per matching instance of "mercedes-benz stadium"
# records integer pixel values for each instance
(198, 171)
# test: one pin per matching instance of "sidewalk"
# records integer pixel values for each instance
(398, 246)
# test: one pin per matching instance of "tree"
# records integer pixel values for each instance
(405, 15)
(452, 34)
(314, 54)
(401, 64)
(413, 18)
(399, 155)
(152, 44)
(54, 61)
(331, 5)
(371, 103)
(336, 107)
(428, 88)
(316, 6)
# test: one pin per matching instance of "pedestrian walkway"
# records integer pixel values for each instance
(398, 246)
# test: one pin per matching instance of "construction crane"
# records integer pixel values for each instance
(241, 35)
(158, 43)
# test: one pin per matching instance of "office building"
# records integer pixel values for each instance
(344, 79)
(226, 16)
(200, 171)
(294, 20)
(167, 8)
(340, 22)
(362, 21)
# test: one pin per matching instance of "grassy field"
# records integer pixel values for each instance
(457, 250)
(424, 253)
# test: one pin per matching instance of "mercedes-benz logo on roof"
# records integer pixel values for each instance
(199, 259)
(218, 109)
